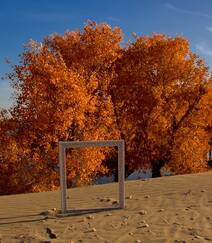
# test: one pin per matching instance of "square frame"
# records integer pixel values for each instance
(63, 145)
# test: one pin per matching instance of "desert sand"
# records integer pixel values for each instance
(167, 209)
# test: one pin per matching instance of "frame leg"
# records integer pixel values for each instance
(121, 174)
(63, 182)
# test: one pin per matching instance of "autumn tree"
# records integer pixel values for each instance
(155, 94)
(161, 97)
(61, 93)
(8, 153)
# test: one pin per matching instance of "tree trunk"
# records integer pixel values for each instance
(116, 177)
(156, 167)
(127, 172)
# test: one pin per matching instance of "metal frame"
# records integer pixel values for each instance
(80, 144)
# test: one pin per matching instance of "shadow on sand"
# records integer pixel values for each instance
(44, 215)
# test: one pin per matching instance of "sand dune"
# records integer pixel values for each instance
(167, 209)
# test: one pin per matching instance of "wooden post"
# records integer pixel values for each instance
(63, 182)
(121, 173)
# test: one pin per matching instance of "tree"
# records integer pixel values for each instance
(154, 93)
(61, 94)
(161, 95)
(8, 154)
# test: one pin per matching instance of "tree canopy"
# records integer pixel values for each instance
(162, 95)
(84, 85)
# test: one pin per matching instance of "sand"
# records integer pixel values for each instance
(167, 209)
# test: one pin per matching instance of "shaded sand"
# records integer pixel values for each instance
(167, 209)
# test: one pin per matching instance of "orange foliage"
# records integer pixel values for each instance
(61, 94)
(83, 85)
(161, 96)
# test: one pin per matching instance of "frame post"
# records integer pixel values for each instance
(121, 173)
(63, 182)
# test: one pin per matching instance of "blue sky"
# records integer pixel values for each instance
(21, 20)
